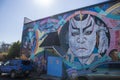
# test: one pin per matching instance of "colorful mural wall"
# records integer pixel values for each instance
(86, 35)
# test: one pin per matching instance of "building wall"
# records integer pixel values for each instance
(86, 35)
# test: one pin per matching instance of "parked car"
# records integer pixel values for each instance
(16, 67)
(104, 71)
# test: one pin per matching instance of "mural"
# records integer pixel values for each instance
(88, 39)
(87, 36)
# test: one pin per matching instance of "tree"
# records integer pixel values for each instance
(14, 50)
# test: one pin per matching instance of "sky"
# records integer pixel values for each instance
(12, 13)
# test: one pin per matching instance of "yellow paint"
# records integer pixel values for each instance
(81, 16)
(113, 7)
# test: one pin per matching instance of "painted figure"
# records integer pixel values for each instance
(88, 38)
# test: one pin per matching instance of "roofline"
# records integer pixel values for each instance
(74, 10)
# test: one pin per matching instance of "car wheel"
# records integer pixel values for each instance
(13, 74)
(0, 73)
(27, 73)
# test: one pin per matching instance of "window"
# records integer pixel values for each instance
(26, 62)
(7, 63)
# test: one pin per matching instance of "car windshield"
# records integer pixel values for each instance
(7, 62)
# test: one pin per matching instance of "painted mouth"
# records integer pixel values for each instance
(82, 48)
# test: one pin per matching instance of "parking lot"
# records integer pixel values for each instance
(7, 77)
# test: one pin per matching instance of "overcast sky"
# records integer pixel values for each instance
(12, 13)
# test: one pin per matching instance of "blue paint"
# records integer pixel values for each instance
(35, 26)
(112, 16)
(32, 56)
(116, 17)
(91, 9)
(62, 22)
(105, 7)
(54, 66)
(95, 50)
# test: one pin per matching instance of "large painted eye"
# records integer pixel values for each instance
(74, 33)
(74, 30)
(87, 32)
(77, 17)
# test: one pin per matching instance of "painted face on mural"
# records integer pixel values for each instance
(82, 35)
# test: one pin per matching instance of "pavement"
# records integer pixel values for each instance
(37, 76)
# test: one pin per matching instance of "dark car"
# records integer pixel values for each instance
(104, 71)
(16, 67)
